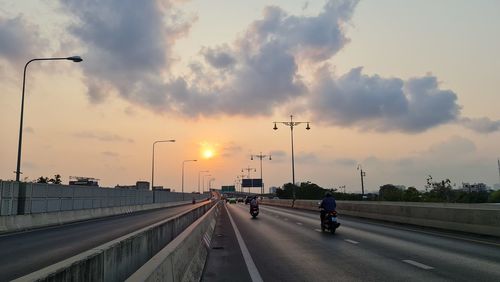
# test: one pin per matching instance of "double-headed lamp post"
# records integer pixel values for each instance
(153, 162)
(182, 185)
(261, 156)
(199, 172)
(204, 181)
(292, 124)
(75, 59)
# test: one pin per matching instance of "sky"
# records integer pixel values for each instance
(402, 89)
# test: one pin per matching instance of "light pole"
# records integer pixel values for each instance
(182, 185)
(362, 175)
(261, 156)
(292, 124)
(199, 178)
(204, 181)
(153, 164)
(248, 169)
(210, 183)
(75, 59)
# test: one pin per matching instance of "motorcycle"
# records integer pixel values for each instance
(254, 211)
(330, 222)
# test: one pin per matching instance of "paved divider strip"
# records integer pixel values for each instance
(118, 259)
(182, 259)
(29, 221)
(481, 219)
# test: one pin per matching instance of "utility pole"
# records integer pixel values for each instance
(362, 175)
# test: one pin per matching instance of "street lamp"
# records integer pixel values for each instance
(261, 156)
(248, 169)
(199, 172)
(362, 174)
(75, 59)
(292, 124)
(153, 164)
(204, 181)
(210, 183)
(183, 162)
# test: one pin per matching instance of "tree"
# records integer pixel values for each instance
(389, 192)
(412, 195)
(56, 179)
(494, 197)
(42, 179)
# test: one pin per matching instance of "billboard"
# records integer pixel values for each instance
(251, 182)
(230, 188)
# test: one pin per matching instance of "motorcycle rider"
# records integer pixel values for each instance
(328, 204)
(254, 202)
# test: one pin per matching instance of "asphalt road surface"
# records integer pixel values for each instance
(287, 245)
(24, 252)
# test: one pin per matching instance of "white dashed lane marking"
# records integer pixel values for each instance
(418, 264)
(351, 241)
(318, 230)
(299, 223)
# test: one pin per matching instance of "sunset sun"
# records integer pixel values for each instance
(208, 153)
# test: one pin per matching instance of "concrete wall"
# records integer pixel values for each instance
(33, 205)
(43, 198)
(473, 218)
(184, 258)
(9, 193)
(118, 259)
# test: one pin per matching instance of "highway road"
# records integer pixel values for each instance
(287, 245)
(24, 252)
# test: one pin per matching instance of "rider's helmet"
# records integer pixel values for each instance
(328, 194)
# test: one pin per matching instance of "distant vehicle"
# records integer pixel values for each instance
(232, 200)
(240, 200)
(247, 200)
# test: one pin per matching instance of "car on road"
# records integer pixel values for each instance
(240, 200)
(232, 200)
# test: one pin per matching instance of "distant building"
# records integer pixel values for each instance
(83, 181)
(140, 185)
(476, 187)
(496, 186)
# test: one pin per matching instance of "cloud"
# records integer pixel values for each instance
(129, 46)
(452, 148)
(346, 162)
(102, 136)
(230, 149)
(481, 125)
(20, 41)
(219, 58)
(110, 154)
(382, 104)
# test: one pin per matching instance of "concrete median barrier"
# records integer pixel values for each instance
(182, 259)
(118, 259)
(481, 219)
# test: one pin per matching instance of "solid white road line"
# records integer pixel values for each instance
(252, 269)
(319, 230)
(418, 264)
(351, 241)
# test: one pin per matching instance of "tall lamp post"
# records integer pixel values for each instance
(153, 164)
(204, 181)
(292, 124)
(261, 156)
(182, 185)
(199, 172)
(362, 174)
(75, 59)
(210, 183)
(248, 169)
